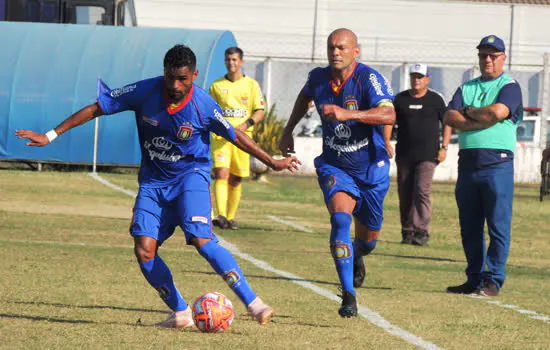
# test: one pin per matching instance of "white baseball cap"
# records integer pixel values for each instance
(420, 68)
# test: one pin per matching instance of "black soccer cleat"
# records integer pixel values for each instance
(349, 306)
(221, 222)
(359, 273)
(232, 224)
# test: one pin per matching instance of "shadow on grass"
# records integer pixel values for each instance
(86, 306)
(62, 320)
(281, 278)
(429, 258)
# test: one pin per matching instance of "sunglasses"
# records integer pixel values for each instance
(493, 56)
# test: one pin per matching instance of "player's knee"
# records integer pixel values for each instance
(145, 250)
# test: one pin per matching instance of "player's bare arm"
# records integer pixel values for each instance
(254, 119)
(244, 142)
(81, 117)
(286, 144)
(388, 130)
(381, 115)
(457, 120)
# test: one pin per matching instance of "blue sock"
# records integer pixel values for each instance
(342, 250)
(226, 266)
(159, 277)
(362, 248)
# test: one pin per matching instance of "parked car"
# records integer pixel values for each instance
(528, 131)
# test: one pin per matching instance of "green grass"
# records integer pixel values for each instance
(69, 278)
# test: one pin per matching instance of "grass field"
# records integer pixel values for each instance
(69, 278)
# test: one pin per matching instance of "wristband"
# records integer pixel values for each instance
(250, 122)
(445, 147)
(51, 135)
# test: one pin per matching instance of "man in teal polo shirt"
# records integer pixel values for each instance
(486, 111)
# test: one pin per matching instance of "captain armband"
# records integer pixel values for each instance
(386, 102)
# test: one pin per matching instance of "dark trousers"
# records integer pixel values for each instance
(486, 195)
(414, 184)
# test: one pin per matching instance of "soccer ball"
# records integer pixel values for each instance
(212, 312)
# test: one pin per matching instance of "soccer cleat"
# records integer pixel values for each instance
(359, 273)
(349, 305)
(221, 222)
(260, 311)
(178, 319)
(490, 289)
(233, 225)
(407, 237)
(463, 289)
(420, 238)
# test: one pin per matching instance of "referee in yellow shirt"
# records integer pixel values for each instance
(242, 103)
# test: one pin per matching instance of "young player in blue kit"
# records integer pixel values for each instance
(354, 102)
(174, 119)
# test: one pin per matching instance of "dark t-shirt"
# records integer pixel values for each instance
(418, 125)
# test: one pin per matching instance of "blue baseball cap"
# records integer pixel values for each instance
(493, 41)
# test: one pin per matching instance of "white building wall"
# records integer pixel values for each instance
(526, 161)
(391, 30)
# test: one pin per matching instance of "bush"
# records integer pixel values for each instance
(268, 132)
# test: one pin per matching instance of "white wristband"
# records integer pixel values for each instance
(51, 135)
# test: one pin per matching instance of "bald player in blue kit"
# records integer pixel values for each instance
(174, 119)
(354, 102)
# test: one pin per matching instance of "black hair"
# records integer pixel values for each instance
(233, 50)
(180, 56)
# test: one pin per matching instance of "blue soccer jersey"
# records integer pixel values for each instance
(354, 147)
(173, 139)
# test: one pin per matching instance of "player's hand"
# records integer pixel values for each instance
(291, 164)
(334, 113)
(36, 139)
(389, 148)
(442, 155)
(286, 144)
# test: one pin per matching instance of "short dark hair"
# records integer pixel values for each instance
(233, 50)
(180, 56)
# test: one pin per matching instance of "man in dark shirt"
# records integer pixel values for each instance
(419, 112)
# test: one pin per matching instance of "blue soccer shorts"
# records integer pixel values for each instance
(186, 204)
(369, 208)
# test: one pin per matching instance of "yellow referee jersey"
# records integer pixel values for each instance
(238, 99)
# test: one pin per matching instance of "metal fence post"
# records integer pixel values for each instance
(96, 138)
(545, 99)
(267, 80)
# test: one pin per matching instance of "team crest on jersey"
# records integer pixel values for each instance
(351, 104)
(331, 181)
(244, 100)
(231, 278)
(151, 121)
(185, 131)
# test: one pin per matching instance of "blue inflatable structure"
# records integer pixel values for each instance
(50, 71)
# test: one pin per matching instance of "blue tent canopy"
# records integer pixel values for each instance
(51, 70)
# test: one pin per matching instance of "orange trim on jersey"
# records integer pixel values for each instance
(171, 108)
(336, 89)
